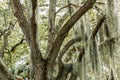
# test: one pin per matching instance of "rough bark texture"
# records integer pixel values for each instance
(30, 31)
(51, 26)
(51, 34)
(43, 69)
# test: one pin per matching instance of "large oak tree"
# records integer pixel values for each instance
(43, 67)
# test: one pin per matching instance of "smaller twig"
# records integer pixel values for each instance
(111, 39)
(16, 45)
(42, 5)
(46, 5)
(67, 6)
(100, 3)
(82, 52)
(8, 30)
(98, 9)
(5, 34)
(94, 32)
(13, 48)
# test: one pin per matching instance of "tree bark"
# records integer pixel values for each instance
(65, 29)
(43, 69)
(30, 32)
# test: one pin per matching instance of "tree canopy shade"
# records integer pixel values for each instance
(65, 40)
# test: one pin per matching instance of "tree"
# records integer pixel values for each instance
(43, 67)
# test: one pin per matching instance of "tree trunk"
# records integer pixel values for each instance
(39, 65)
(43, 68)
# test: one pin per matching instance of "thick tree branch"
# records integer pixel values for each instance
(19, 14)
(51, 34)
(29, 30)
(33, 24)
(51, 22)
(35, 51)
(66, 28)
(38, 63)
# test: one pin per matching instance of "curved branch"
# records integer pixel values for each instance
(66, 28)
(93, 34)
(68, 45)
(67, 6)
(82, 52)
